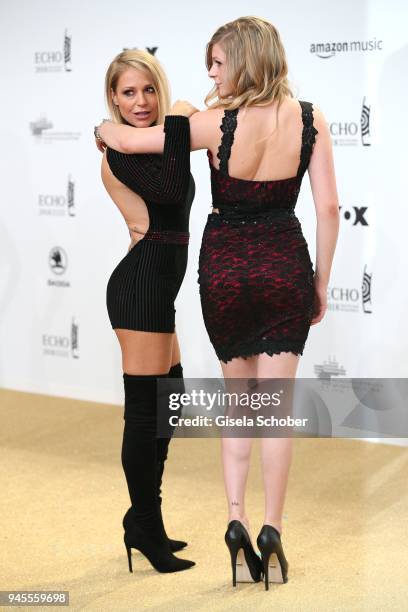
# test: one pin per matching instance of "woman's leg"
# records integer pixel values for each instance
(276, 453)
(175, 351)
(146, 357)
(236, 452)
(145, 352)
(131, 364)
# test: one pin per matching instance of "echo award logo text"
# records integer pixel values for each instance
(63, 345)
(58, 204)
(56, 60)
(353, 132)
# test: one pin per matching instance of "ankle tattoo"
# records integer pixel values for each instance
(234, 503)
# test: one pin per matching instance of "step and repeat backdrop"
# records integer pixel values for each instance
(61, 236)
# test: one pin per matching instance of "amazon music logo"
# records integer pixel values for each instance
(356, 214)
(56, 60)
(353, 133)
(353, 298)
(326, 50)
(62, 345)
(58, 204)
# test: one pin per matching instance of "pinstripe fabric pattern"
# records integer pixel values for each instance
(143, 287)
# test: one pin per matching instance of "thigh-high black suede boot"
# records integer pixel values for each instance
(175, 372)
(139, 459)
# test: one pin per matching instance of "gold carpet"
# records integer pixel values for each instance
(64, 494)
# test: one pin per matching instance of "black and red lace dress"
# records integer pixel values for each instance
(255, 272)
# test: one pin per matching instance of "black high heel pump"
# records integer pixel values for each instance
(246, 565)
(275, 566)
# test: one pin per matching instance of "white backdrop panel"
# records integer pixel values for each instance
(55, 331)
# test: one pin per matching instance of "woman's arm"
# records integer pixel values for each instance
(128, 139)
(204, 129)
(324, 190)
(166, 182)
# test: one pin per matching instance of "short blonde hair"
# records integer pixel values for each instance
(141, 60)
(256, 64)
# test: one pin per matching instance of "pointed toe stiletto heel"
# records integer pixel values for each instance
(156, 549)
(129, 554)
(275, 566)
(245, 563)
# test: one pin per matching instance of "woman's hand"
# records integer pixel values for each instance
(182, 107)
(320, 301)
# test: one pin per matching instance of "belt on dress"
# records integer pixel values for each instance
(167, 236)
(247, 212)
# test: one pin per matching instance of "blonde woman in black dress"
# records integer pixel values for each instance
(154, 194)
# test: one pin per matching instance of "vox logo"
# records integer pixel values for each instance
(356, 214)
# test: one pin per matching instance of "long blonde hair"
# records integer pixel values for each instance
(256, 64)
(141, 60)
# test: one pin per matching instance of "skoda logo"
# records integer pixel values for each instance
(58, 260)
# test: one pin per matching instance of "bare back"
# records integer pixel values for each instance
(129, 203)
(267, 141)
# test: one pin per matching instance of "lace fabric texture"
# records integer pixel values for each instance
(255, 271)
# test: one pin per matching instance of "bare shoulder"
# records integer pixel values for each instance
(321, 125)
(319, 120)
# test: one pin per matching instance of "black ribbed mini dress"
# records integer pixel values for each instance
(143, 287)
